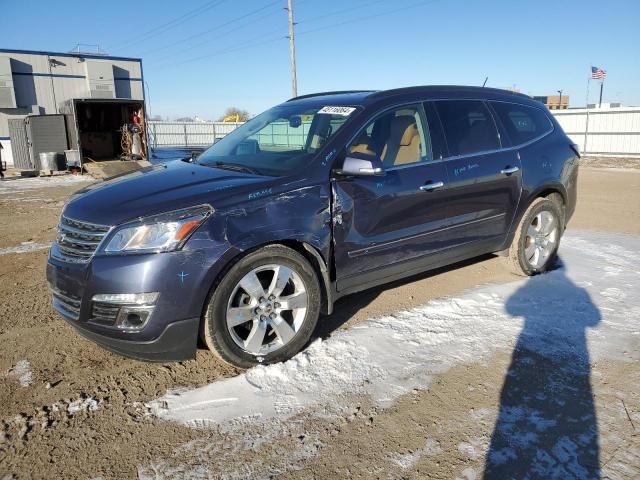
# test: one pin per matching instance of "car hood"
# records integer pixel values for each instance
(158, 189)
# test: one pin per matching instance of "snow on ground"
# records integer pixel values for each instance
(594, 294)
(87, 404)
(406, 461)
(22, 372)
(25, 247)
(12, 185)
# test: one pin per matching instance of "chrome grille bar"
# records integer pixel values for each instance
(77, 241)
(65, 302)
(104, 313)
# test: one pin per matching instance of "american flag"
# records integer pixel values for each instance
(598, 73)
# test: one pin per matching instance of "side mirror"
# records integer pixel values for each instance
(295, 121)
(362, 166)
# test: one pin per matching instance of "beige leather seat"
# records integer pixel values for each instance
(403, 144)
(363, 145)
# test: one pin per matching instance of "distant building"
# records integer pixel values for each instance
(554, 102)
(605, 105)
(88, 97)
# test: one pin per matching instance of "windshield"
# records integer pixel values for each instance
(279, 140)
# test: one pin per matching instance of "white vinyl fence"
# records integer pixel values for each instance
(603, 132)
(188, 134)
(606, 132)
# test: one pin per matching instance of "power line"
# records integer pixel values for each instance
(254, 43)
(344, 10)
(242, 46)
(368, 17)
(154, 32)
(209, 30)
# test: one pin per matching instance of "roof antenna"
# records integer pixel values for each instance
(485, 81)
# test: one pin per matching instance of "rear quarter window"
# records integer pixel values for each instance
(522, 123)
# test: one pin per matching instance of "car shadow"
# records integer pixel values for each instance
(546, 426)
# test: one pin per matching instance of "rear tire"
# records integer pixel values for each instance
(264, 309)
(537, 238)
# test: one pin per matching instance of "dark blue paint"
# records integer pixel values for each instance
(364, 230)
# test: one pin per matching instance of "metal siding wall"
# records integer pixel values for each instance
(64, 81)
(611, 131)
(19, 144)
(47, 133)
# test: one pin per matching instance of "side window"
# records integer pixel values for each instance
(398, 137)
(468, 126)
(521, 122)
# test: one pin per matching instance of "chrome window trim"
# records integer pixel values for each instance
(456, 157)
(535, 139)
(380, 113)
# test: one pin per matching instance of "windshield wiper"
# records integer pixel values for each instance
(236, 167)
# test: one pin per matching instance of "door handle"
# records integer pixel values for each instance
(509, 170)
(431, 186)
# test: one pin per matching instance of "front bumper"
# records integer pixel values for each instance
(181, 278)
(176, 343)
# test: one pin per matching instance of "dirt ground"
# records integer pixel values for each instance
(77, 412)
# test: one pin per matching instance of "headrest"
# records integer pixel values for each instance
(404, 128)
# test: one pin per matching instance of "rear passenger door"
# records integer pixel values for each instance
(485, 180)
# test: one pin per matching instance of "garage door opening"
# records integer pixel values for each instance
(110, 130)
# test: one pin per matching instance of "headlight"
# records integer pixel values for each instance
(159, 233)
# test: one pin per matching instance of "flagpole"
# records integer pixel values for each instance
(601, 86)
(586, 106)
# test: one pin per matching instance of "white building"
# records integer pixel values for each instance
(97, 94)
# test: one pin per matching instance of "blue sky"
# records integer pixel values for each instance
(197, 65)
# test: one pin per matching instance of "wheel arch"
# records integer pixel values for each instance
(311, 253)
(555, 192)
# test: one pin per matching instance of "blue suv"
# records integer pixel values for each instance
(320, 197)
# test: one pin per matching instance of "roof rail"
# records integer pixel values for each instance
(459, 88)
(337, 92)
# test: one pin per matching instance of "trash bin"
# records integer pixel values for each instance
(49, 161)
(72, 158)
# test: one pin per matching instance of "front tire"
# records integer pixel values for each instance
(535, 244)
(264, 309)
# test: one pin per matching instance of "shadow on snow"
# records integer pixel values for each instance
(546, 427)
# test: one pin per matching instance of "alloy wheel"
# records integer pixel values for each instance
(266, 309)
(541, 239)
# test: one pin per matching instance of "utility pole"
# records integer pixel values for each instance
(292, 50)
(560, 100)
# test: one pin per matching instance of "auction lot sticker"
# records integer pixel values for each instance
(343, 111)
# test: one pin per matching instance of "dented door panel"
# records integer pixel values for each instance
(381, 221)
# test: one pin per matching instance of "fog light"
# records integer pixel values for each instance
(123, 311)
(133, 318)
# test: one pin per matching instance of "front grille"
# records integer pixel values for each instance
(66, 303)
(104, 313)
(77, 241)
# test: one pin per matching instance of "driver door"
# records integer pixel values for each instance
(390, 223)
